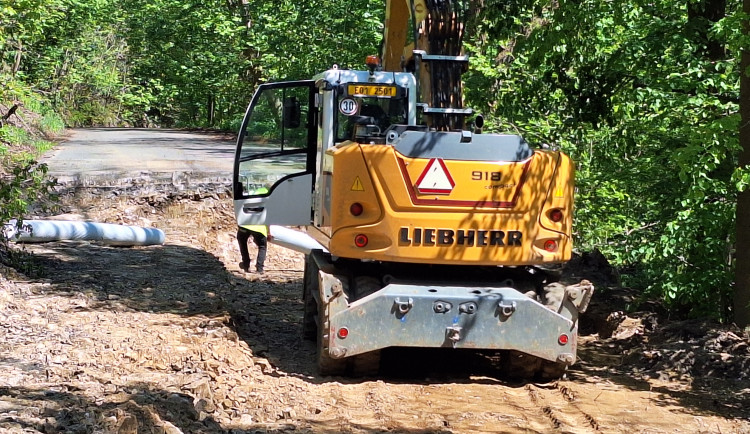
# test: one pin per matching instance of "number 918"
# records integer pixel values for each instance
(478, 175)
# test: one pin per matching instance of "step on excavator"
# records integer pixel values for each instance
(418, 229)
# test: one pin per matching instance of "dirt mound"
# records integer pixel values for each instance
(648, 342)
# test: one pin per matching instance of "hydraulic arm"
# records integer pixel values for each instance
(433, 51)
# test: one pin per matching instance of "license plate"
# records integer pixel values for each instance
(371, 90)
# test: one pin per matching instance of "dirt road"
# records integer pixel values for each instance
(94, 155)
(175, 338)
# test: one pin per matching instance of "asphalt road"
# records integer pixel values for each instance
(111, 155)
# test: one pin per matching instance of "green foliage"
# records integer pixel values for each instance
(24, 182)
(639, 95)
(24, 185)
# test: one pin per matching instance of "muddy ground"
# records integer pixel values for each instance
(175, 338)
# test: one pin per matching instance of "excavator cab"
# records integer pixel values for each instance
(289, 127)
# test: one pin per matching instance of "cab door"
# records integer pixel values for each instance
(274, 164)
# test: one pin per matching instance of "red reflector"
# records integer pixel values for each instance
(343, 333)
(360, 240)
(550, 245)
(556, 215)
(562, 340)
(356, 209)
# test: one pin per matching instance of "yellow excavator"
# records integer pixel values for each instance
(418, 229)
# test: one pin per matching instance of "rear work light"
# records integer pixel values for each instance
(556, 215)
(361, 240)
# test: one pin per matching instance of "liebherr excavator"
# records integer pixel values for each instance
(419, 230)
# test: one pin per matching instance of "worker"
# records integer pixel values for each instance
(260, 238)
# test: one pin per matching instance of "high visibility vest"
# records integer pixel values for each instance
(263, 229)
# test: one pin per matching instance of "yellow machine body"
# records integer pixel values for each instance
(496, 213)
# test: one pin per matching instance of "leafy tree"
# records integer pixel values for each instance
(648, 106)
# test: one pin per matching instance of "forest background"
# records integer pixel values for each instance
(644, 95)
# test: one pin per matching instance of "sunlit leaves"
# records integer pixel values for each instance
(627, 88)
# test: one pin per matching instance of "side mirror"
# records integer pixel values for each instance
(292, 113)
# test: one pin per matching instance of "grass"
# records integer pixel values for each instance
(51, 123)
(14, 136)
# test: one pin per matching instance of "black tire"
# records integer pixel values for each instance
(552, 370)
(361, 365)
(365, 365)
(521, 366)
(554, 296)
(309, 288)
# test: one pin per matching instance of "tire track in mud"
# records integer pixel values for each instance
(558, 404)
(571, 397)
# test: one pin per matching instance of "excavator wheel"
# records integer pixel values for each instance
(365, 285)
(552, 370)
(518, 365)
(552, 298)
(527, 367)
(309, 287)
(365, 365)
(361, 365)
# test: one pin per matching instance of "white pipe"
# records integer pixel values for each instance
(293, 239)
(36, 231)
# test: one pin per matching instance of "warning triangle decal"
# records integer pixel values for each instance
(435, 179)
(357, 186)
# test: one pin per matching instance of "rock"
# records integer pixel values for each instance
(246, 421)
(128, 424)
(204, 405)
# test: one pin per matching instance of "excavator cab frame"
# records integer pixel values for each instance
(275, 155)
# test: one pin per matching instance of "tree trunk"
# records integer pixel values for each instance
(742, 264)
(701, 15)
(17, 60)
(210, 110)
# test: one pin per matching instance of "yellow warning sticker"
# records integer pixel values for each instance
(559, 192)
(357, 186)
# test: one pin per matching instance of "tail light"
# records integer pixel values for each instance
(550, 245)
(556, 215)
(361, 240)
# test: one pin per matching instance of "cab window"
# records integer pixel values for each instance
(275, 139)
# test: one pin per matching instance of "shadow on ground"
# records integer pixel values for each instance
(266, 312)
